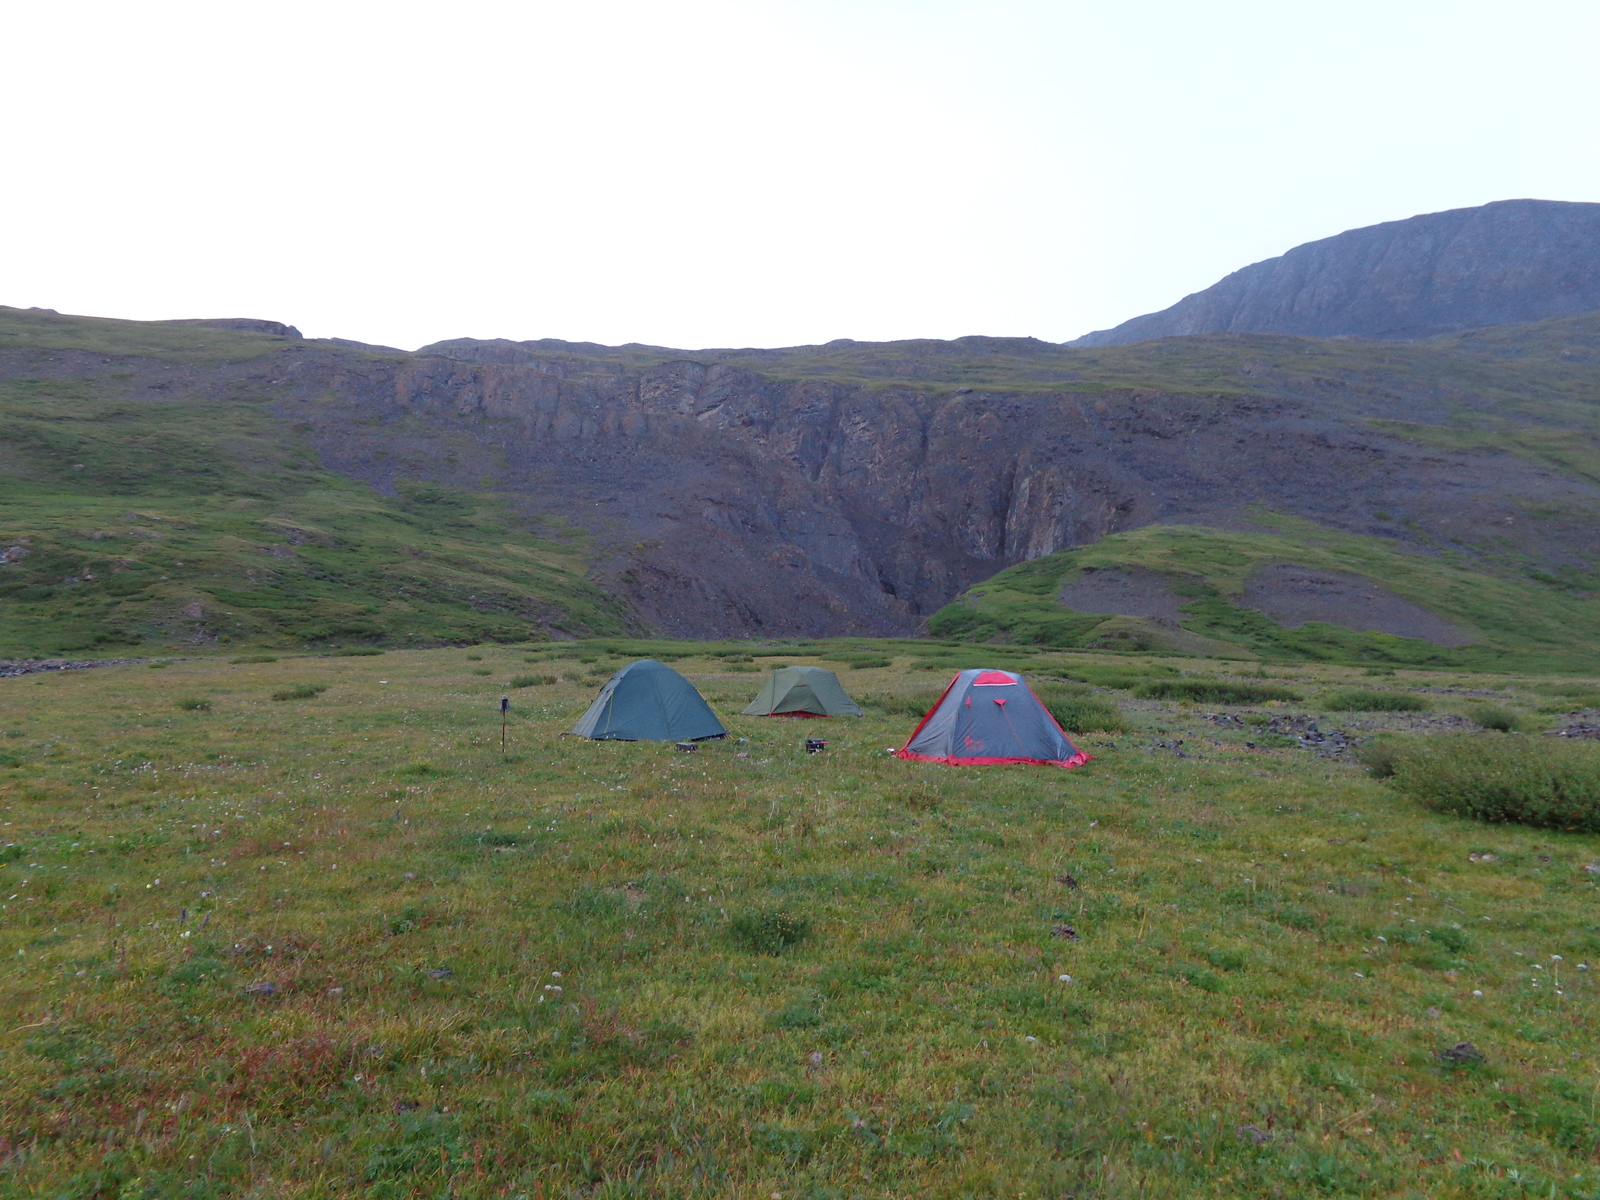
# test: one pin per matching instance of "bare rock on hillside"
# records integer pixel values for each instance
(1292, 595)
(1123, 592)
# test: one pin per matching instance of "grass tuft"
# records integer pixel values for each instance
(192, 704)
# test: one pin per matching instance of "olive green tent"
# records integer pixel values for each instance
(803, 692)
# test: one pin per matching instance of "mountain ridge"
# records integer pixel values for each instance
(1503, 263)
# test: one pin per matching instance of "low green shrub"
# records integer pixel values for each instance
(1359, 700)
(915, 705)
(1548, 782)
(357, 652)
(522, 681)
(768, 930)
(1120, 676)
(300, 691)
(1079, 713)
(192, 704)
(1215, 691)
(866, 664)
(1379, 756)
(1501, 719)
(254, 658)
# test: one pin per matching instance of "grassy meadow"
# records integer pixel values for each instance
(339, 944)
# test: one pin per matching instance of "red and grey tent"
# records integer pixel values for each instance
(987, 717)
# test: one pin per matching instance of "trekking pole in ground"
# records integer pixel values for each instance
(505, 704)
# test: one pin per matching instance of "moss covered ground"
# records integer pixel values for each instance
(342, 945)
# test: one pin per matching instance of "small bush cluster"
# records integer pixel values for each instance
(1359, 700)
(192, 704)
(868, 662)
(1553, 783)
(768, 930)
(254, 658)
(300, 691)
(522, 681)
(1215, 691)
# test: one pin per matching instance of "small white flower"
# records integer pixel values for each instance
(1064, 978)
(1030, 1038)
(552, 987)
(1383, 939)
(1477, 993)
(1359, 975)
(1557, 958)
(555, 974)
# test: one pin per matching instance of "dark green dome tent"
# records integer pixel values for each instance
(803, 692)
(648, 701)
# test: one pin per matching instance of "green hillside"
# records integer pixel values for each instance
(203, 522)
(1518, 623)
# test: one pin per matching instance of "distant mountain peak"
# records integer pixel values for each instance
(1505, 263)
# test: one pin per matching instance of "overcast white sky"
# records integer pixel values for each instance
(749, 172)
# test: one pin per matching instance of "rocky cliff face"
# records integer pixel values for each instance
(1503, 263)
(727, 503)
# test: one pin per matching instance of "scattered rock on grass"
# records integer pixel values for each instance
(1461, 1054)
(1064, 931)
(1255, 1134)
(439, 973)
(264, 988)
(1578, 729)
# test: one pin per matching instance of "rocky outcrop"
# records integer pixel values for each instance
(721, 502)
(1499, 264)
(241, 325)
